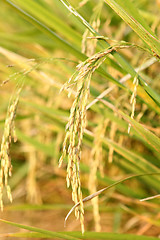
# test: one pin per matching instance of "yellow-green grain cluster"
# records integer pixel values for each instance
(75, 129)
(76, 125)
(89, 45)
(6, 167)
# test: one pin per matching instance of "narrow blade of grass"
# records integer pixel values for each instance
(41, 231)
(131, 16)
(148, 136)
(38, 232)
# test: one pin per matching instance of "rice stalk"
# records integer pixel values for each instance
(9, 126)
(76, 125)
(96, 164)
(112, 134)
(8, 135)
(133, 99)
(33, 193)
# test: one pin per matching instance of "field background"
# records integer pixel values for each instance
(41, 43)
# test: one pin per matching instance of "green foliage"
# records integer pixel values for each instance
(41, 233)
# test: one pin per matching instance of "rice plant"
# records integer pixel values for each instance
(80, 100)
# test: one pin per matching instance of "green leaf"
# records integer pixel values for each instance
(148, 136)
(41, 233)
(47, 149)
(127, 11)
(123, 62)
(50, 20)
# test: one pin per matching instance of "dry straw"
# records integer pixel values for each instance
(95, 165)
(112, 135)
(33, 193)
(133, 99)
